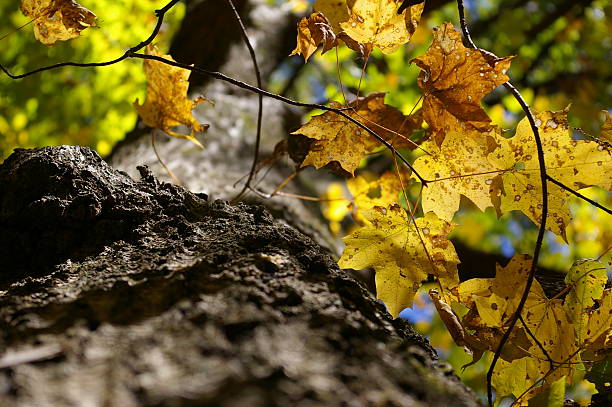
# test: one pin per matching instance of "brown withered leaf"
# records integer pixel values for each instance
(312, 32)
(166, 104)
(454, 79)
(339, 140)
(57, 20)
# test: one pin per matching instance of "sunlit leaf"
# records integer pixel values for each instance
(575, 163)
(587, 279)
(166, 105)
(57, 20)
(496, 299)
(377, 22)
(402, 253)
(312, 32)
(339, 140)
(458, 167)
(381, 191)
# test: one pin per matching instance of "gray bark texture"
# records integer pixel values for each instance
(115, 292)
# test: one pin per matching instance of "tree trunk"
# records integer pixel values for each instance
(130, 293)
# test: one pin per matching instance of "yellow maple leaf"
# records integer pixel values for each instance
(166, 104)
(57, 20)
(544, 318)
(587, 279)
(458, 167)
(312, 32)
(513, 378)
(547, 320)
(576, 163)
(377, 22)
(496, 299)
(402, 253)
(363, 24)
(597, 334)
(454, 79)
(369, 192)
(339, 140)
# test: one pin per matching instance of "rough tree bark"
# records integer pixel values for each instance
(128, 291)
(124, 293)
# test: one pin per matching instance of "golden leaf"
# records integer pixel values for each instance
(336, 12)
(587, 279)
(549, 323)
(363, 24)
(598, 333)
(57, 20)
(575, 163)
(368, 193)
(392, 245)
(312, 32)
(497, 298)
(166, 104)
(458, 167)
(377, 22)
(454, 79)
(342, 141)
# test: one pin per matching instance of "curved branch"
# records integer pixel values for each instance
(543, 180)
(160, 19)
(247, 42)
(243, 85)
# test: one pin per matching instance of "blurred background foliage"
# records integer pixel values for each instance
(89, 107)
(563, 54)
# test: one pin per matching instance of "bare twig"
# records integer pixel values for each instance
(544, 215)
(247, 42)
(160, 19)
(579, 195)
(243, 85)
(537, 341)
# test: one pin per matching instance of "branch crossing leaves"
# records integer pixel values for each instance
(463, 154)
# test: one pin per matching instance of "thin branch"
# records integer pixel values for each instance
(579, 195)
(544, 215)
(537, 341)
(247, 42)
(243, 85)
(160, 19)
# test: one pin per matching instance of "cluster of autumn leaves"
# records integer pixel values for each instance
(464, 155)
